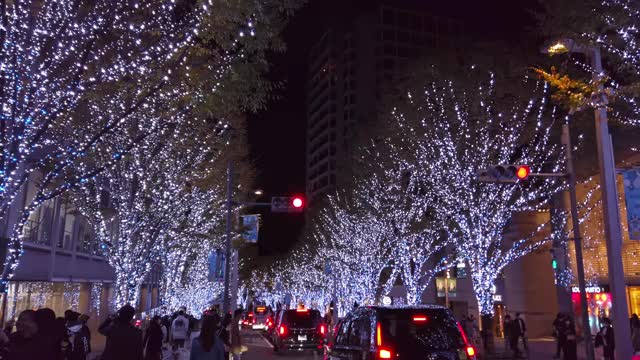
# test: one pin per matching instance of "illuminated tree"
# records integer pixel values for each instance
(445, 132)
(79, 74)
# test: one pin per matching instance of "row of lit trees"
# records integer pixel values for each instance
(131, 107)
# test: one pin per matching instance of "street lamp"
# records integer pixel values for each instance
(613, 232)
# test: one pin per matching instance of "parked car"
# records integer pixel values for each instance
(248, 320)
(299, 330)
(407, 333)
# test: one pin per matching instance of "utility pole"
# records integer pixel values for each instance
(577, 237)
(611, 218)
(226, 306)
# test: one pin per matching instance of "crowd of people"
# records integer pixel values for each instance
(39, 334)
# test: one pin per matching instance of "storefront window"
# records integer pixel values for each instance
(634, 299)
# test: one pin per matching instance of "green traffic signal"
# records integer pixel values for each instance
(554, 264)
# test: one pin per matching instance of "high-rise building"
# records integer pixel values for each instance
(349, 68)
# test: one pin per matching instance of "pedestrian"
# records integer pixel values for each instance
(522, 331)
(153, 339)
(78, 339)
(47, 330)
(26, 343)
(236, 339)
(84, 318)
(124, 341)
(506, 326)
(179, 330)
(635, 332)
(472, 325)
(208, 346)
(568, 333)
(514, 335)
(225, 335)
(607, 338)
(559, 333)
(61, 330)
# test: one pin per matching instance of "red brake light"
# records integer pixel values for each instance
(471, 351)
(379, 335)
(302, 310)
(384, 354)
(323, 330)
(419, 318)
(282, 330)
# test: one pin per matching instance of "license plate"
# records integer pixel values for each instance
(302, 337)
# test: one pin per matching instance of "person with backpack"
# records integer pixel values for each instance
(78, 339)
(179, 330)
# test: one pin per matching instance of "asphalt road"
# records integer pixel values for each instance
(261, 349)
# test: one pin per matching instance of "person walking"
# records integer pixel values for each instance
(522, 331)
(84, 318)
(225, 335)
(26, 343)
(568, 333)
(47, 329)
(559, 334)
(152, 341)
(179, 330)
(514, 335)
(608, 339)
(208, 346)
(236, 339)
(78, 340)
(124, 341)
(506, 326)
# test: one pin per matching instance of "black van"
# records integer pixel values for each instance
(299, 329)
(406, 333)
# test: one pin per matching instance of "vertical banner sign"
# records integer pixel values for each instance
(632, 199)
(212, 266)
(250, 228)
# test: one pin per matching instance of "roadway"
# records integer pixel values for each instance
(261, 349)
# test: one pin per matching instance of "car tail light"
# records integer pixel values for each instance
(378, 335)
(471, 352)
(419, 318)
(302, 310)
(384, 354)
(138, 323)
(323, 330)
(282, 330)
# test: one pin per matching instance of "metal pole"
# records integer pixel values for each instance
(446, 289)
(575, 220)
(611, 217)
(226, 306)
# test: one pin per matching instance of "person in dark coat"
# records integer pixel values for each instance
(506, 325)
(26, 343)
(153, 339)
(608, 340)
(570, 344)
(124, 341)
(47, 329)
(78, 339)
(559, 334)
(225, 335)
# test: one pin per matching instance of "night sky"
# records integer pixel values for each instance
(277, 134)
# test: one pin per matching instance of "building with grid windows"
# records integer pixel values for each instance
(349, 67)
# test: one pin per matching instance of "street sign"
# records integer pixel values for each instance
(250, 228)
(632, 200)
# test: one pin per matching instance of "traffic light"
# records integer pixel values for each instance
(504, 173)
(287, 204)
(554, 262)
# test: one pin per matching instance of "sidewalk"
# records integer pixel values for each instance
(167, 353)
(543, 349)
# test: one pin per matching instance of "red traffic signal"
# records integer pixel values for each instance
(285, 204)
(523, 172)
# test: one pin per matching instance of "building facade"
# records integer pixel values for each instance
(350, 67)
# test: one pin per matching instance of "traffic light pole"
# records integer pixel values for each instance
(226, 304)
(577, 237)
